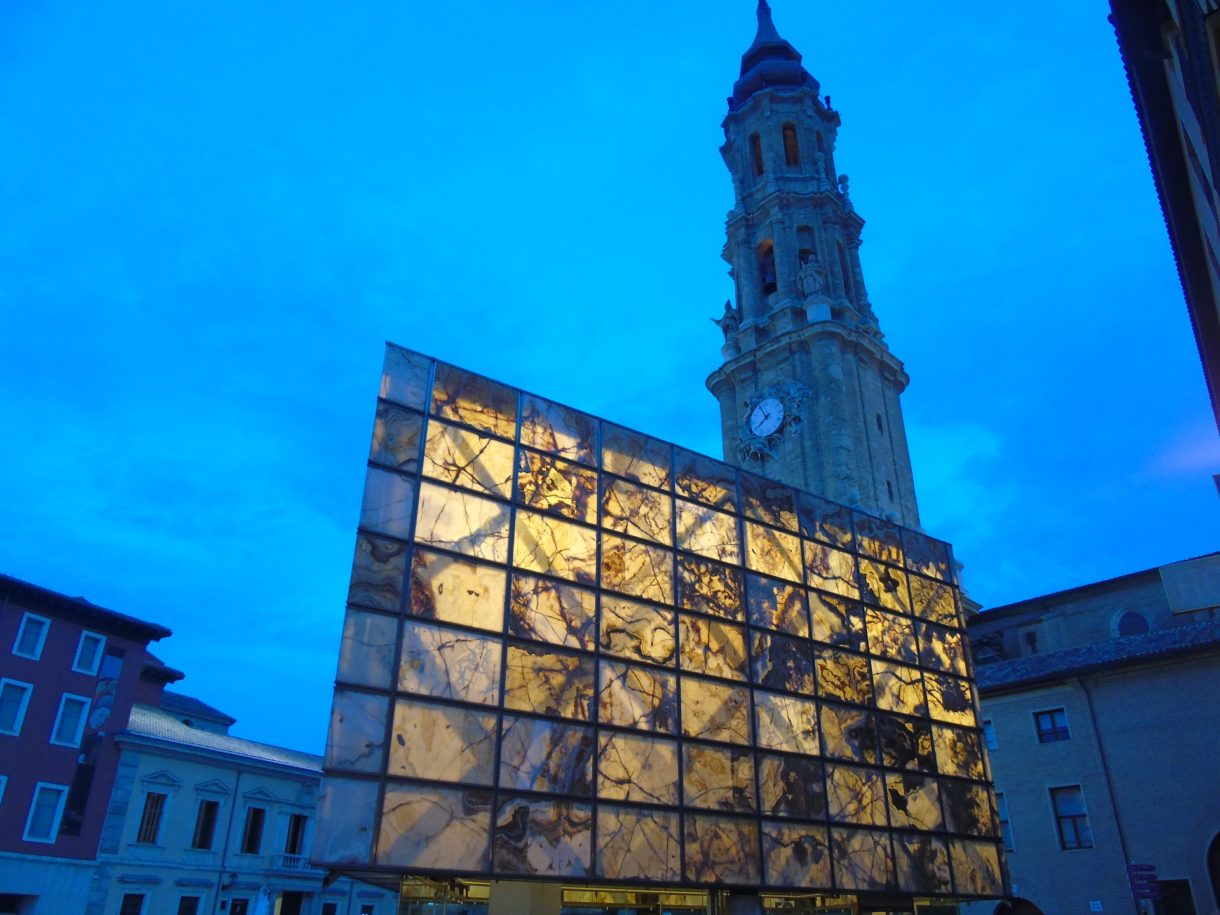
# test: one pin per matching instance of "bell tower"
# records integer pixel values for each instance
(808, 390)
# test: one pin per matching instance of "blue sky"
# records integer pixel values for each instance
(217, 213)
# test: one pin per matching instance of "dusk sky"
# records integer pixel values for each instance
(215, 214)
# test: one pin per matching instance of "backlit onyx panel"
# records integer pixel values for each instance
(576, 652)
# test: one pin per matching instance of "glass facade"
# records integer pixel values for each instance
(573, 651)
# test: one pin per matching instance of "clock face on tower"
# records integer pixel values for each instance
(767, 417)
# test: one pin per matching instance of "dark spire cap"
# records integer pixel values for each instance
(769, 61)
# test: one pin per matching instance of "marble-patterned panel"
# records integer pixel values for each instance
(404, 377)
(923, 864)
(348, 807)
(959, 752)
(714, 711)
(822, 520)
(638, 844)
(366, 653)
(425, 828)
(705, 480)
(899, 689)
(629, 508)
(550, 756)
(773, 552)
(976, 868)
(473, 401)
(712, 647)
(378, 570)
(453, 590)
(557, 429)
(838, 621)
(389, 500)
(356, 740)
(855, 795)
(637, 631)
(830, 569)
(941, 649)
(843, 676)
(884, 586)
(710, 587)
(849, 733)
(774, 604)
(638, 697)
(927, 556)
(796, 855)
(462, 522)
(707, 532)
(780, 662)
(914, 802)
(556, 486)
(396, 438)
(863, 859)
(718, 778)
(634, 767)
(463, 458)
(934, 601)
(878, 539)
(437, 661)
(543, 838)
(949, 699)
(637, 569)
(721, 849)
(635, 456)
(905, 744)
(548, 611)
(768, 500)
(968, 809)
(549, 682)
(786, 723)
(550, 545)
(442, 743)
(792, 786)
(891, 636)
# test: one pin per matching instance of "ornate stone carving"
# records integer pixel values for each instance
(791, 394)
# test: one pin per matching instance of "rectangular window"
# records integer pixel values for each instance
(294, 844)
(46, 809)
(133, 904)
(14, 700)
(70, 720)
(366, 909)
(205, 824)
(31, 635)
(1052, 725)
(239, 907)
(1071, 818)
(252, 837)
(1005, 824)
(150, 820)
(330, 908)
(89, 653)
(188, 905)
(989, 734)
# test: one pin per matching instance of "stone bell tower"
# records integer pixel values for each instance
(808, 390)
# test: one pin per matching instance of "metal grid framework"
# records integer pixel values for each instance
(573, 651)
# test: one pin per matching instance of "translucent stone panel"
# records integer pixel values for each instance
(704, 480)
(396, 438)
(719, 778)
(452, 590)
(838, 621)
(843, 676)
(714, 711)
(821, 520)
(548, 611)
(933, 601)
(449, 664)
(404, 377)
(884, 586)
(899, 689)
(378, 570)
(914, 802)
(424, 828)
(556, 486)
(638, 697)
(941, 649)
(638, 844)
(780, 662)
(543, 838)
(796, 855)
(632, 767)
(773, 552)
(366, 654)
(878, 539)
(348, 807)
(708, 532)
(557, 429)
(976, 868)
(462, 522)
(720, 849)
(927, 556)
(792, 786)
(891, 636)
(786, 723)
(464, 458)
(635, 456)
(968, 809)
(555, 547)
(442, 743)
(778, 605)
(829, 569)
(548, 756)
(923, 864)
(710, 587)
(959, 752)
(356, 740)
(712, 647)
(632, 509)
(849, 733)
(637, 569)
(473, 401)
(637, 631)
(863, 859)
(950, 699)
(549, 682)
(769, 501)
(388, 501)
(905, 744)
